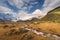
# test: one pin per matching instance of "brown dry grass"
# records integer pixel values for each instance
(45, 27)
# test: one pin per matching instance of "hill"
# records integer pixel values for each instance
(52, 16)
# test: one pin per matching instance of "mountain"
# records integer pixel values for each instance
(52, 16)
(56, 9)
(5, 17)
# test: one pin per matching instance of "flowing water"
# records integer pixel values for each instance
(42, 33)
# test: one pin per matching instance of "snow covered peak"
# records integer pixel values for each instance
(37, 11)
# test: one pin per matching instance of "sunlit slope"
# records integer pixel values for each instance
(52, 16)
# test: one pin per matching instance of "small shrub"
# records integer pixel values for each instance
(38, 29)
(17, 32)
(27, 37)
(11, 32)
(22, 30)
(12, 26)
(5, 26)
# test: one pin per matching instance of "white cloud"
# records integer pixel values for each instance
(23, 4)
(5, 10)
(25, 16)
(50, 5)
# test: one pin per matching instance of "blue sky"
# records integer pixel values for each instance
(12, 7)
(35, 6)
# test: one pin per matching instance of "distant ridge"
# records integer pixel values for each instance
(52, 16)
(57, 8)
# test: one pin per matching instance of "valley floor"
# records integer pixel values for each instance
(14, 31)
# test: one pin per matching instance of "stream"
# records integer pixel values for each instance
(42, 33)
